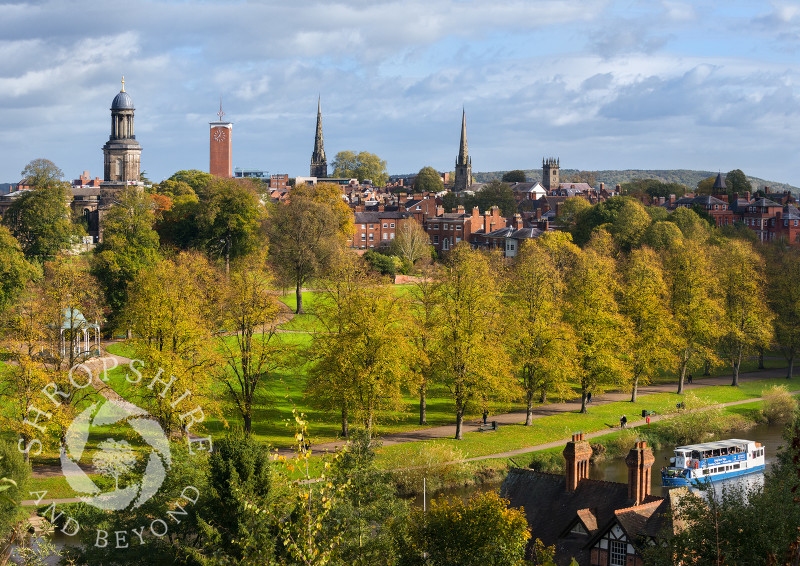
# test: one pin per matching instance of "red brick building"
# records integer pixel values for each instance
(448, 229)
(378, 228)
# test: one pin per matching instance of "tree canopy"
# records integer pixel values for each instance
(515, 176)
(362, 165)
(428, 180)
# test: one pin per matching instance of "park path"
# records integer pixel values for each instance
(517, 417)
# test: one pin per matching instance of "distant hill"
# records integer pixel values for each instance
(612, 176)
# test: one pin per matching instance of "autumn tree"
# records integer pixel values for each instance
(600, 329)
(328, 195)
(483, 530)
(472, 365)
(747, 319)
(303, 240)
(572, 214)
(693, 303)
(588, 177)
(129, 245)
(424, 312)
(359, 360)
(249, 310)
(412, 242)
(171, 309)
(495, 193)
(15, 270)
(645, 302)
(783, 273)
(542, 346)
(428, 180)
(362, 165)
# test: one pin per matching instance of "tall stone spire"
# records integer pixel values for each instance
(463, 178)
(319, 164)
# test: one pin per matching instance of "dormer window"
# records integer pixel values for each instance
(579, 529)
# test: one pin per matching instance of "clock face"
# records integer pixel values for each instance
(219, 135)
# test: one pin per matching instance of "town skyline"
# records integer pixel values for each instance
(604, 86)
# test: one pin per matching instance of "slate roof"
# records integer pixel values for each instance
(764, 202)
(579, 187)
(526, 233)
(550, 509)
(375, 217)
(706, 200)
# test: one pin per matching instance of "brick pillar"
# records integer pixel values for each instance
(640, 459)
(577, 453)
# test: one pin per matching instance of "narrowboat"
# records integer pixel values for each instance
(712, 461)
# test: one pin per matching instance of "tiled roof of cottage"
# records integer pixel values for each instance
(762, 202)
(373, 217)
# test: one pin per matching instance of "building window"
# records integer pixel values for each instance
(391, 225)
(385, 236)
(363, 236)
(417, 207)
(391, 236)
(363, 226)
(435, 226)
(435, 238)
(384, 225)
(371, 226)
(458, 227)
(371, 237)
(618, 553)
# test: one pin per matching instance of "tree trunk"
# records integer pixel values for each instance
(761, 358)
(682, 372)
(791, 367)
(707, 368)
(423, 407)
(459, 422)
(529, 409)
(345, 425)
(543, 396)
(635, 389)
(736, 365)
(299, 294)
(583, 401)
(248, 423)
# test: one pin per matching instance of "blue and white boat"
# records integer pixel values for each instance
(712, 461)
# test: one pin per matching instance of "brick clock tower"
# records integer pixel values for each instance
(220, 147)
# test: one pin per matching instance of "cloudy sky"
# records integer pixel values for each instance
(602, 84)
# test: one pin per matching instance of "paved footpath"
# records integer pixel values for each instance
(518, 417)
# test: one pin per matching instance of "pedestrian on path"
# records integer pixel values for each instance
(485, 415)
(648, 421)
(623, 422)
(690, 379)
(589, 397)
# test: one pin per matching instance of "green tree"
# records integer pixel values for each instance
(369, 511)
(693, 303)
(362, 165)
(423, 335)
(249, 310)
(15, 270)
(229, 219)
(359, 363)
(129, 245)
(41, 173)
(480, 532)
(542, 345)
(645, 302)
(587, 177)
(303, 241)
(428, 180)
(747, 319)
(15, 473)
(783, 273)
(600, 329)
(736, 182)
(196, 180)
(653, 188)
(471, 364)
(691, 225)
(450, 201)
(706, 186)
(572, 215)
(495, 193)
(330, 196)
(662, 235)
(40, 220)
(515, 176)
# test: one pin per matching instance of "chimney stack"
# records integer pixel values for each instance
(602, 186)
(577, 453)
(640, 459)
(460, 209)
(518, 225)
(439, 210)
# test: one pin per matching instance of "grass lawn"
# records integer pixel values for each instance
(601, 417)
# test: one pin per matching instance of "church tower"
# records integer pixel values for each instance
(319, 164)
(463, 178)
(220, 147)
(122, 152)
(550, 179)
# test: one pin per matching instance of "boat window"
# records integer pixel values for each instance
(706, 472)
(736, 466)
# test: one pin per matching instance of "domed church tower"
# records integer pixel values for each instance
(122, 152)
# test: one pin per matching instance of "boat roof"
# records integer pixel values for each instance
(714, 445)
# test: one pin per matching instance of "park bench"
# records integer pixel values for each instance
(488, 426)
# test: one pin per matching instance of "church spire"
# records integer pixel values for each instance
(319, 164)
(463, 154)
(463, 178)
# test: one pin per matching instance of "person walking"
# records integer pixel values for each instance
(623, 422)
(589, 397)
(485, 416)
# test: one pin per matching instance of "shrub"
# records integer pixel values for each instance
(779, 405)
(701, 426)
(552, 462)
(436, 462)
(14, 467)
